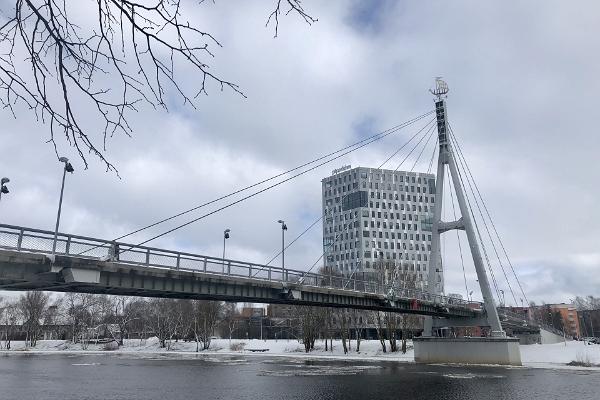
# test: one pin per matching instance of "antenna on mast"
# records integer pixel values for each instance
(441, 88)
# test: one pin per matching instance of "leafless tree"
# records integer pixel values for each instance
(379, 319)
(328, 327)
(79, 315)
(80, 65)
(164, 319)
(52, 318)
(3, 306)
(360, 323)
(123, 313)
(391, 323)
(230, 317)
(409, 322)
(10, 320)
(32, 306)
(207, 315)
(587, 303)
(344, 325)
(310, 321)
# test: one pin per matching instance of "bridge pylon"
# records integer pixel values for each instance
(429, 349)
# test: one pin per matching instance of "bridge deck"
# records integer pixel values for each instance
(90, 265)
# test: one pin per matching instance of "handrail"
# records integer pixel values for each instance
(152, 256)
(530, 321)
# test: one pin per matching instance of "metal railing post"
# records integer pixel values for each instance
(20, 239)
(228, 267)
(178, 261)
(148, 257)
(205, 261)
(68, 245)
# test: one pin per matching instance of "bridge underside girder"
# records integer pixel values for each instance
(35, 271)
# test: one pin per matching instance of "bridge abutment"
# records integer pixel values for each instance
(474, 350)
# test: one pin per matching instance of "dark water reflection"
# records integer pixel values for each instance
(108, 377)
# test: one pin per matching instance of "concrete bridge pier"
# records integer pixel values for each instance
(469, 350)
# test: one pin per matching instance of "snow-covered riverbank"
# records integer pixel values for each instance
(535, 356)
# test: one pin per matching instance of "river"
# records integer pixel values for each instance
(175, 377)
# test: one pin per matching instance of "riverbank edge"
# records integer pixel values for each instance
(306, 356)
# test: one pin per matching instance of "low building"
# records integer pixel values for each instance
(570, 318)
(252, 312)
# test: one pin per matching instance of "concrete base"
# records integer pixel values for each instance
(547, 337)
(490, 350)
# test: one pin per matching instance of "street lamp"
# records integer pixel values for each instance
(283, 229)
(67, 168)
(225, 237)
(3, 188)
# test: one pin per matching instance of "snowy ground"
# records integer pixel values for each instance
(535, 356)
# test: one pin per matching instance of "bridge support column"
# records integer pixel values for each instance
(473, 350)
(446, 157)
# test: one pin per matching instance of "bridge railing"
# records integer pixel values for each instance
(41, 241)
(527, 319)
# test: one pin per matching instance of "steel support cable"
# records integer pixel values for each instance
(341, 233)
(477, 230)
(402, 162)
(406, 143)
(421, 152)
(490, 217)
(414, 147)
(435, 145)
(464, 162)
(462, 261)
(429, 124)
(382, 134)
(481, 242)
(374, 139)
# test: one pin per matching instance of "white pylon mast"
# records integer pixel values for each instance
(446, 157)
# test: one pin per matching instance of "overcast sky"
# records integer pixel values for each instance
(523, 83)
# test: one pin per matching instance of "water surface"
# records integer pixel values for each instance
(175, 377)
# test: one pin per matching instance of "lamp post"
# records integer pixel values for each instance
(225, 237)
(3, 188)
(67, 168)
(283, 229)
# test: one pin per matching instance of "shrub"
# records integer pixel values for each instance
(237, 346)
(581, 360)
(110, 346)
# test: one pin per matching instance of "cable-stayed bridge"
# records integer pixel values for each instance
(32, 259)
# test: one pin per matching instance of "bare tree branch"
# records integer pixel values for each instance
(295, 7)
(58, 62)
(74, 60)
